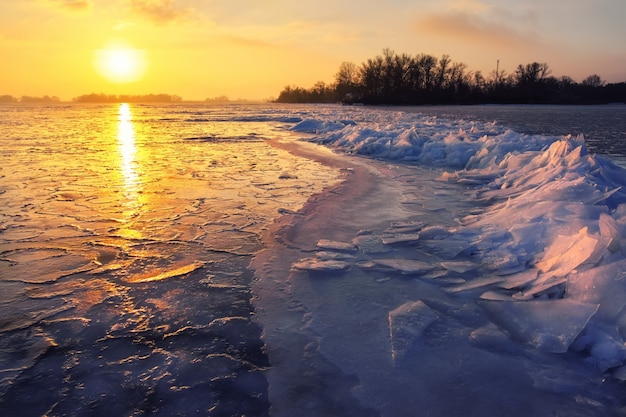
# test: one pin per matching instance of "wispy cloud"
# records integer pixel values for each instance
(71, 5)
(471, 27)
(162, 11)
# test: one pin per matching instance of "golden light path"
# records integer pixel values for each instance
(128, 162)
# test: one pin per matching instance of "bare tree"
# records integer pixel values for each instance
(593, 80)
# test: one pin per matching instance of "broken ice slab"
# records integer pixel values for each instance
(405, 227)
(405, 266)
(460, 267)
(605, 285)
(546, 325)
(519, 280)
(335, 245)
(502, 261)
(51, 270)
(406, 325)
(475, 283)
(610, 229)
(371, 244)
(495, 296)
(491, 337)
(401, 238)
(568, 252)
(435, 232)
(447, 248)
(159, 274)
(328, 255)
(316, 264)
(553, 288)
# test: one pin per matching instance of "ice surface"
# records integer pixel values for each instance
(549, 326)
(504, 251)
(406, 325)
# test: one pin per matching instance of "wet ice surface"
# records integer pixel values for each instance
(125, 242)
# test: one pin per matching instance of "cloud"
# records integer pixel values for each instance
(71, 5)
(161, 11)
(473, 28)
(247, 42)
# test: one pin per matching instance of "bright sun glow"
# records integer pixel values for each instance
(120, 64)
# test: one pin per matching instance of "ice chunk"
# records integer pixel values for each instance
(316, 264)
(604, 344)
(435, 232)
(159, 274)
(335, 245)
(567, 253)
(405, 227)
(502, 261)
(459, 266)
(400, 238)
(495, 296)
(371, 244)
(476, 283)
(405, 266)
(448, 248)
(553, 287)
(328, 255)
(520, 280)
(406, 325)
(51, 270)
(491, 338)
(610, 229)
(605, 285)
(549, 326)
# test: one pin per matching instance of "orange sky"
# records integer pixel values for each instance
(253, 48)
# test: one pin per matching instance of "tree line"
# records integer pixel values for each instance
(97, 98)
(402, 79)
(28, 99)
(126, 98)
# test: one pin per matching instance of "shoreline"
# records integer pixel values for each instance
(306, 373)
(271, 290)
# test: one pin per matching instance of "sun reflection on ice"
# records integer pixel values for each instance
(128, 163)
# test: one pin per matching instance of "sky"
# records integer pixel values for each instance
(252, 49)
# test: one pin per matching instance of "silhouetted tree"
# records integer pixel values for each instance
(593, 80)
(346, 81)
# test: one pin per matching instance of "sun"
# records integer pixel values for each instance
(120, 63)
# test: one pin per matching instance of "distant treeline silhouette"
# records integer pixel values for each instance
(403, 79)
(125, 98)
(97, 98)
(28, 99)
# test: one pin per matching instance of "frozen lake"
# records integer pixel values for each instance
(203, 260)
